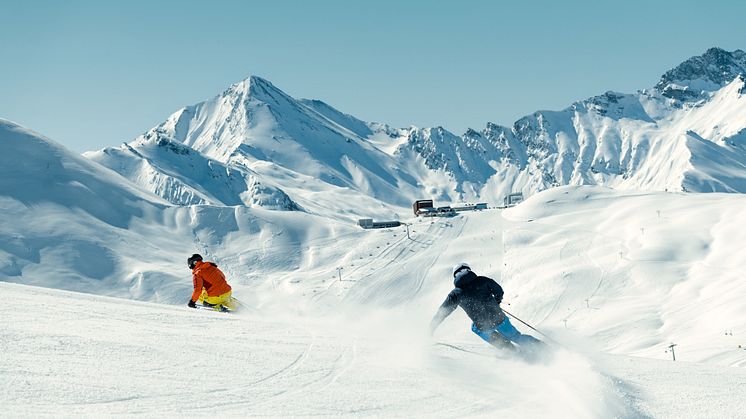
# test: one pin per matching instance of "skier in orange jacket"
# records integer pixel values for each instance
(210, 286)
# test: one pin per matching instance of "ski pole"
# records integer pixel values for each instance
(532, 328)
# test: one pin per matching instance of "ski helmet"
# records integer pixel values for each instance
(192, 260)
(459, 267)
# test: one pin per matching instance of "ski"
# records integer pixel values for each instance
(494, 353)
(208, 308)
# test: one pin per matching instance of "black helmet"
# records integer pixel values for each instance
(193, 260)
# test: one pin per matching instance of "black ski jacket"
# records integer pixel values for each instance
(479, 296)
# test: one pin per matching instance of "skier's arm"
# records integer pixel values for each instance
(197, 281)
(446, 308)
(496, 290)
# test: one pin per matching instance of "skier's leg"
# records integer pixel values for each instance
(497, 340)
(492, 337)
(511, 333)
(484, 335)
(220, 302)
(203, 297)
(226, 300)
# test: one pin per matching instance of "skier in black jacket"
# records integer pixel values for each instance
(480, 297)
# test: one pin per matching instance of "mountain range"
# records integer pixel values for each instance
(255, 145)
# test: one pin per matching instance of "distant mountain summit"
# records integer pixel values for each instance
(684, 134)
(702, 74)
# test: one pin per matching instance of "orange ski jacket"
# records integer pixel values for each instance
(207, 275)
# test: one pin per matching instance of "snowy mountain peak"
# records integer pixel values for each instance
(704, 73)
(257, 88)
(248, 83)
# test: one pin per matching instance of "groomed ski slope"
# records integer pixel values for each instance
(575, 262)
(78, 355)
(68, 354)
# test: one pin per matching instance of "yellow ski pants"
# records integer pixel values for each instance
(222, 299)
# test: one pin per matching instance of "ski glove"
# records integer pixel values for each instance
(191, 304)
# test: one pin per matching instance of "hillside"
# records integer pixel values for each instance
(307, 343)
(72, 224)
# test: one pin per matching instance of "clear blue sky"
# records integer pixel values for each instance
(91, 74)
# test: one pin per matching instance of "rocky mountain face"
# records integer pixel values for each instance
(697, 76)
(684, 134)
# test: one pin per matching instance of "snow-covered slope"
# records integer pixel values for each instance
(72, 355)
(603, 272)
(80, 227)
(72, 224)
(269, 367)
(184, 176)
(664, 267)
(69, 223)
